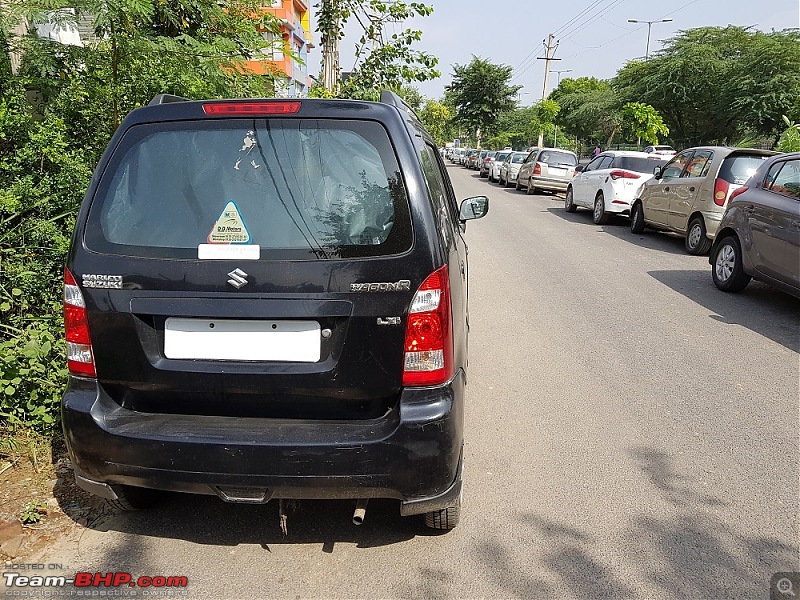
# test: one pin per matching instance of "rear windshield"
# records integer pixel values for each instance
(501, 156)
(739, 168)
(492, 154)
(519, 158)
(296, 188)
(554, 157)
(637, 164)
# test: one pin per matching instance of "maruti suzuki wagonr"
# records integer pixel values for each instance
(267, 299)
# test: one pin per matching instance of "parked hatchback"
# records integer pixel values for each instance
(548, 169)
(486, 163)
(689, 194)
(759, 235)
(499, 159)
(267, 299)
(610, 183)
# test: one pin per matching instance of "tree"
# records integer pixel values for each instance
(590, 109)
(438, 120)
(716, 84)
(480, 91)
(381, 62)
(644, 122)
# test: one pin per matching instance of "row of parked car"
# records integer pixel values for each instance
(740, 205)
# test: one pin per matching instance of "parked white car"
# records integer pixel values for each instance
(499, 159)
(510, 169)
(667, 151)
(610, 183)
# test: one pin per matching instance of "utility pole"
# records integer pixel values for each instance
(550, 49)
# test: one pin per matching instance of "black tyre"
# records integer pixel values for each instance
(599, 214)
(697, 242)
(637, 218)
(134, 498)
(727, 269)
(444, 519)
(516, 185)
(569, 201)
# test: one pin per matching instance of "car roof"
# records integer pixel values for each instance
(556, 149)
(631, 153)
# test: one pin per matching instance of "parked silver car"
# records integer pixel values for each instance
(547, 169)
(499, 159)
(510, 168)
(690, 194)
(759, 235)
(486, 163)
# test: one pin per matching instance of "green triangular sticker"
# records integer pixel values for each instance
(230, 227)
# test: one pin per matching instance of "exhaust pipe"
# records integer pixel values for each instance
(360, 512)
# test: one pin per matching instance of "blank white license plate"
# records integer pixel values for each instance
(554, 171)
(226, 339)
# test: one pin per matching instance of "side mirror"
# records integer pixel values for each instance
(579, 168)
(658, 172)
(473, 208)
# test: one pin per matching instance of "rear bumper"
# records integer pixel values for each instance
(556, 185)
(412, 454)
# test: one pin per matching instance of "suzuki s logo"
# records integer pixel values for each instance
(238, 278)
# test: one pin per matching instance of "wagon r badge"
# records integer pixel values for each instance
(238, 278)
(404, 285)
(389, 321)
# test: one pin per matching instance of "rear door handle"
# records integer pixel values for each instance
(666, 189)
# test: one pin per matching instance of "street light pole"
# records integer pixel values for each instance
(649, 27)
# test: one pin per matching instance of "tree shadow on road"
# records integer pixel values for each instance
(689, 552)
(759, 307)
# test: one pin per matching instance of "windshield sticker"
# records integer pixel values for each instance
(230, 227)
(248, 144)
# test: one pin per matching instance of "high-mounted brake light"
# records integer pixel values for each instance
(622, 174)
(80, 358)
(721, 188)
(252, 108)
(429, 333)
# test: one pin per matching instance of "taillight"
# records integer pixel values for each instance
(252, 108)
(620, 174)
(721, 188)
(429, 333)
(738, 192)
(80, 358)
(537, 170)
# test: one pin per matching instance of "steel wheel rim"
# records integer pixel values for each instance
(694, 236)
(568, 199)
(598, 209)
(726, 261)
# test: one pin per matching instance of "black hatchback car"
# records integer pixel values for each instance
(267, 299)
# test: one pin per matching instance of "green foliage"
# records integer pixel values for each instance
(438, 120)
(790, 139)
(644, 122)
(193, 48)
(480, 92)
(590, 109)
(33, 512)
(381, 62)
(717, 84)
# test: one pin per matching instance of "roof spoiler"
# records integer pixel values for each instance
(166, 99)
(392, 99)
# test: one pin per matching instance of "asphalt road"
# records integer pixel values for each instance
(631, 432)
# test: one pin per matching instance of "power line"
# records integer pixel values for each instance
(578, 27)
(577, 17)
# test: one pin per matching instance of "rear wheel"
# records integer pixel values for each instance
(516, 185)
(446, 518)
(696, 240)
(599, 214)
(569, 201)
(728, 270)
(637, 218)
(134, 498)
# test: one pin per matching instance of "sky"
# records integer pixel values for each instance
(594, 37)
